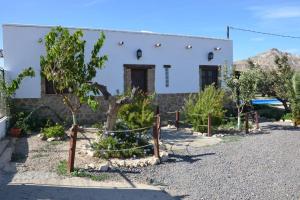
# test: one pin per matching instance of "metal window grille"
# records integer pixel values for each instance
(167, 67)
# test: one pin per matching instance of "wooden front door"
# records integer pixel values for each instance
(209, 75)
(139, 79)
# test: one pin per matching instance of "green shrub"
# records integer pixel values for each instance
(54, 131)
(62, 168)
(121, 145)
(20, 119)
(269, 112)
(287, 116)
(197, 108)
(138, 114)
(94, 177)
(98, 125)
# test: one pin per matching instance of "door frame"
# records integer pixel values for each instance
(212, 67)
(150, 76)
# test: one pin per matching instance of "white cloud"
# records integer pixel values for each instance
(283, 12)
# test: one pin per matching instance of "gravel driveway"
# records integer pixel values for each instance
(265, 166)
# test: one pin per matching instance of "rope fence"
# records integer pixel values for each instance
(245, 116)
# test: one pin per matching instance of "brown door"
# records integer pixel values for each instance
(139, 79)
(209, 76)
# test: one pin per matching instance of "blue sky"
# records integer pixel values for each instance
(192, 17)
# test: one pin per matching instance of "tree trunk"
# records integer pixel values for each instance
(73, 138)
(239, 119)
(286, 107)
(112, 113)
(114, 104)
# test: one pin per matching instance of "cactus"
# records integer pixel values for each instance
(296, 99)
(296, 85)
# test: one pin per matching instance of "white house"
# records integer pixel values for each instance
(169, 65)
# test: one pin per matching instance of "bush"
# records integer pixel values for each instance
(269, 112)
(54, 131)
(138, 114)
(197, 108)
(20, 119)
(113, 146)
(287, 116)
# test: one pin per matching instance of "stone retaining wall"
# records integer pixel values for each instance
(166, 102)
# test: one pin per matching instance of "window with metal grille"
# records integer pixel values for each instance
(49, 88)
(167, 67)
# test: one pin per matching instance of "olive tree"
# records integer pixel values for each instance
(242, 87)
(276, 82)
(72, 76)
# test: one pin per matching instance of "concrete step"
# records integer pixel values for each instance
(3, 145)
(7, 147)
(6, 156)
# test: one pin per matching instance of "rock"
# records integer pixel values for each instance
(90, 152)
(91, 165)
(103, 167)
(164, 156)
(154, 161)
(51, 139)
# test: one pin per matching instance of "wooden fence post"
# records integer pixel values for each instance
(157, 110)
(158, 125)
(155, 137)
(256, 120)
(72, 148)
(209, 125)
(177, 119)
(246, 123)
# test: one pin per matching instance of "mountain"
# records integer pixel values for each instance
(266, 60)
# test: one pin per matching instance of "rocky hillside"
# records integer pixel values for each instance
(266, 60)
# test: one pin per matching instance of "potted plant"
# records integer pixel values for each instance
(18, 124)
(8, 90)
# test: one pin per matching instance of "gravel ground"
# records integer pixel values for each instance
(265, 166)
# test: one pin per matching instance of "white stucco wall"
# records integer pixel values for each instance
(3, 122)
(21, 50)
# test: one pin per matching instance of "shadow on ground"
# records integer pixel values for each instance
(274, 126)
(15, 192)
(187, 158)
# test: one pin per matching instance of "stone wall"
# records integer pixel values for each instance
(166, 102)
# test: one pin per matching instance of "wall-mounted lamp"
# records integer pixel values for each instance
(210, 56)
(121, 43)
(139, 53)
(217, 48)
(157, 45)
(189, 46)
(1, 53)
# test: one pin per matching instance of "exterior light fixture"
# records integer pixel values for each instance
(1, 53)
(217, 48)
(157, 45)
(189, 46)
(121, 43)
(210, 56)
(139, 54)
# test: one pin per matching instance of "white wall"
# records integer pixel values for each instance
(21, 50)
(3, 122)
